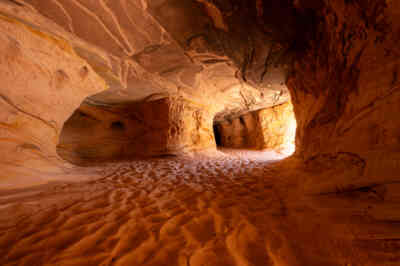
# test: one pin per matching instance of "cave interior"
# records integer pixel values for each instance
(200, 132)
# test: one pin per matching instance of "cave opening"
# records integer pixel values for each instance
(117, 125)
(272, 128)
(217, 135)
(99, 132)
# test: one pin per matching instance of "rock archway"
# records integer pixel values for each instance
(99, 132)
(270, 128)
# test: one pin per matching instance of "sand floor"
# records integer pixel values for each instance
(222, 209)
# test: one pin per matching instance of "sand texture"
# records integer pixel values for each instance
(231, 208)
(156, 212)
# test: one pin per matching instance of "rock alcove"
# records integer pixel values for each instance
(107, 131)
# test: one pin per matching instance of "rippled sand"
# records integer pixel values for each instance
(217, 209)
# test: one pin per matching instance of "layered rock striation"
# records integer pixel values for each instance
(270, 128)
(43, 82)
(157, 127)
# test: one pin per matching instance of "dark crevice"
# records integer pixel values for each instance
(217, 135)
(117, 125)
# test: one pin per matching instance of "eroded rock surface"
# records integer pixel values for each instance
(278, 126)
(240, 132)
(194, 48)
(271, 128)
(43, 81)
(345, 93)
(167, 126)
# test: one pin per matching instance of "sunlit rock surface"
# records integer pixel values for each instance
(43, 81)
(240, 132)
(278, 127)
(194, 48)
(270, 128)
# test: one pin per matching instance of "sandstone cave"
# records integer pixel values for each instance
(200, 132)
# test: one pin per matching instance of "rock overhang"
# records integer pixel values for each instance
(227, 54)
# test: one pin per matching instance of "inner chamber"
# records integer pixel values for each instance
(272, 128)
(100, 132)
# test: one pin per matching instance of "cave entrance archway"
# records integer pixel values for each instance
(272, 128)
(100, 131)
(112, 131)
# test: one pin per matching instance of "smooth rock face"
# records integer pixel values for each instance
(168, 126)
(271, 128)
(241, 132)
(43, 82)
(278, 126)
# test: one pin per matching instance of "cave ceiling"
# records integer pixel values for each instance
(230, 56)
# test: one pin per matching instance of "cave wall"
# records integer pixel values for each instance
(278, 126)
(166, 126)
(114, 132)
(190, 126)
(269, 128)
(345, 92)
(241, 132)
(43, 82)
